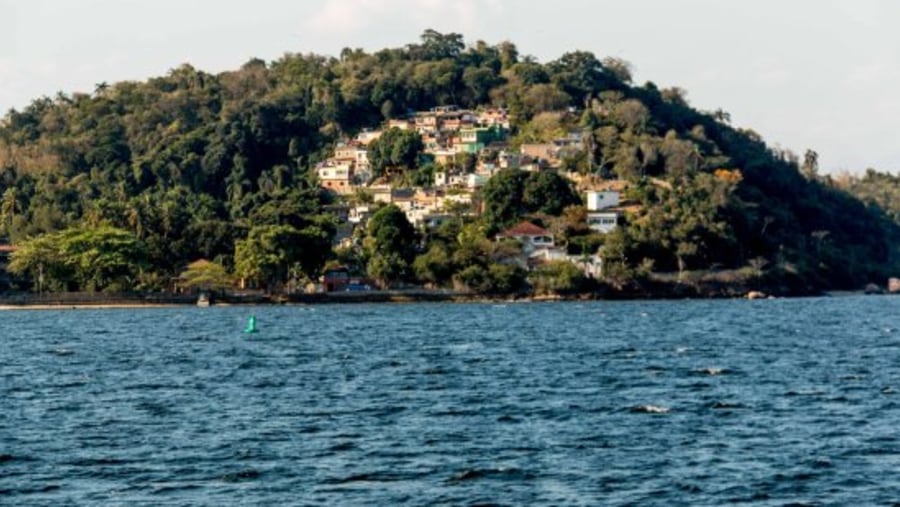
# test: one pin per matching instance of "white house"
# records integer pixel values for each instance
(603, 221)
(597, 201)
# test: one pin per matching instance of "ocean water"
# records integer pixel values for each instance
(603, 403)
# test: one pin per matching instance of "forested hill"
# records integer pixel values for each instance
(192, 165)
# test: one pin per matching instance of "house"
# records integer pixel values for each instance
(354, 154)
(475, 139)
(603, 221)
(380, 193)
(530, 235)
(403, 198)
(573, 140)
(426, 123)
(336, 176)
(600, 200)
(494, 116)
(601, 217)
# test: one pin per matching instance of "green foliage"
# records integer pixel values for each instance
(191, 163)
(276, 254)
(390, 245)
(512, 193)
(395, 151)
(81, 259)
(207, 275)
(557, 277)
(434, 266)
(493, 279)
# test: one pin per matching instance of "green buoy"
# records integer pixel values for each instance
(251, 325)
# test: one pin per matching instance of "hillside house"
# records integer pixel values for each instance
(600, 200)
(356, 154)
(426, 123)
(336, 176)
(603, 221)
(474, 139)
(530, 235)
(494, 117)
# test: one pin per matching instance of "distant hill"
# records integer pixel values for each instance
(190, 163)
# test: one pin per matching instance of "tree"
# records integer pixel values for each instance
(435, 266)
(101, 259)
(396, 149)
(206, 275)
(619, 68)
(390, 244)
(502, 195)
(549, 193)
(267, 254)
(557, 277)
(810, 167)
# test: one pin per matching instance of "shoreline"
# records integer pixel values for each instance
(111, 306)
(90, 302)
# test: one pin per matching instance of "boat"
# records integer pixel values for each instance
(203, 300)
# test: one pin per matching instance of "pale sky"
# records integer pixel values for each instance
(820, 74)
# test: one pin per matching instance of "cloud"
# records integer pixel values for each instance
(347, 17)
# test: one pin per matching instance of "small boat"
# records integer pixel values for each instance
(203, 300)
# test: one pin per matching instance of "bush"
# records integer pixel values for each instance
(557, 277)
(495, 279)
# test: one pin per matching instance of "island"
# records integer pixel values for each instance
(436, 170)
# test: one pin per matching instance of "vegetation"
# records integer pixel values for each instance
(124, 187)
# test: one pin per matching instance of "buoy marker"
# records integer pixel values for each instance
(251, 325)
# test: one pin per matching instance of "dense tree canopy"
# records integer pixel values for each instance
(82, 259)
(512, 193)
(390, 245)
(395, 150)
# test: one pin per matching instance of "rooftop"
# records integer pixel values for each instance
(524, 229)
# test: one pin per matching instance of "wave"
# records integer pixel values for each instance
(649, 409)
(713, 371)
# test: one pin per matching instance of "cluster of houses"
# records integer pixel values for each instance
(447, 132)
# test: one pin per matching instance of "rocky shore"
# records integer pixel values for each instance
(644, 290)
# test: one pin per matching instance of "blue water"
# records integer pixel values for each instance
(653, 403)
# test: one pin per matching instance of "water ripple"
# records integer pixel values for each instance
(624, 403)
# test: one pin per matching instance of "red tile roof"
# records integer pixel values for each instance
(524, 229)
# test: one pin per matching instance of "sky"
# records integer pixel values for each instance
(805, 74)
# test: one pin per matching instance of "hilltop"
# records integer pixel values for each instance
(404, 167)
